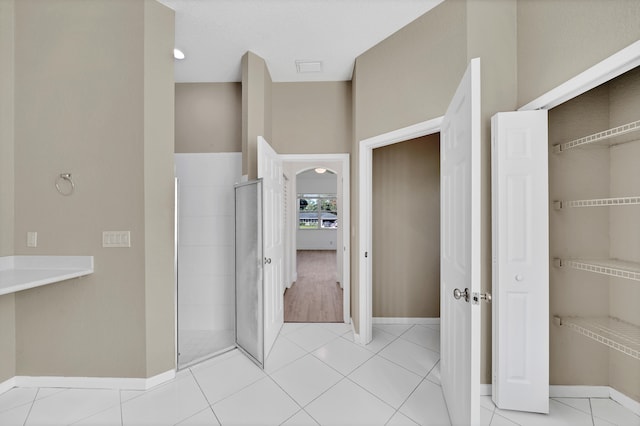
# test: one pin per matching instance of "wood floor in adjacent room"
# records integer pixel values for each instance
(315, 296)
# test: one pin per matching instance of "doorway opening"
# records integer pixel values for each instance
(316, 295)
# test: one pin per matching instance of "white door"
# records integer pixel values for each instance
(460, 250)
(270, 170)
(519, 163)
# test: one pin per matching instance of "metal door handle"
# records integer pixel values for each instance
(457, 294)
(267, 260)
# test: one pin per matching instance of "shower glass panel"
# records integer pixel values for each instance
(205, 253)
(249, 271)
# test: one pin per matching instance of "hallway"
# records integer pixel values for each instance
(315, 296)
(314, 375)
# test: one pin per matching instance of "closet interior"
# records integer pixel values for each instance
(594, 237)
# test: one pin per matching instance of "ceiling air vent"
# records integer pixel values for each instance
(308, 66)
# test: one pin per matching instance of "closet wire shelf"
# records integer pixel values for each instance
(610, 135)
(597, 202)
(610, 331)
(611, 267)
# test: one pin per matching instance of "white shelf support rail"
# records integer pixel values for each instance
(612, 332)
(611, 267)
(597, 202)
(599, 137)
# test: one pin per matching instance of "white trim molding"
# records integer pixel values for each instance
(419, 321)
(87, 382)
(581, 391)
(365, 215)
(611, 67)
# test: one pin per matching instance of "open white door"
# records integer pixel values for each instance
(270, 170)
(520, 215)
(460, 250)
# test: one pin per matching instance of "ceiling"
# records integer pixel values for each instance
(215, 34)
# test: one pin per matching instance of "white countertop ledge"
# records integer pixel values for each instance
(23, 272)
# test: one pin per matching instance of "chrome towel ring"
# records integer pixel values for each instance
(65, 188)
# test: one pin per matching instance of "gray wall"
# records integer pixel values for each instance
(208, 117)
(406, 229)
(97, 78)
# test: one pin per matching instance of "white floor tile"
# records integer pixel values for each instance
(220, 378)
(203, 418)
(348, 404)
(485, 401)
(581, 404)
(47, 392)
(311, 337)
(400, 419)
(165, 405)
(424, 336)
(386, 380)
(262, 403)
(15, 416)
(559, 414)
(284, 352)
(426, 405)
(16, 397)
(380, 340)
(416, 358)
(301, 418)
(343, 355)
(338, 328)
(611, 411)
(434, 374)
(485, 416)
(71, 406)
(395, 329)
(306, 378)
(498, 420)
(126, 395)
(289, 327)
(109, 417)
(599, 422)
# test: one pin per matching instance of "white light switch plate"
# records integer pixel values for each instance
(116, 239)
(32, 239)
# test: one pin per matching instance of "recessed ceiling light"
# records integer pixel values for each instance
(309, 66)
(177, 53)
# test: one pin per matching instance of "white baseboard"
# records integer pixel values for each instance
(421, 321)
(87, 382)
(580, 391)
(625, 401)
(7, 384)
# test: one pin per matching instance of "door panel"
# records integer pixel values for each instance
(460, 250)
(520, 261)
(249, 271)
(271, 173)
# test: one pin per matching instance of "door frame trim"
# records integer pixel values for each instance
(365, 186)
(343, 159)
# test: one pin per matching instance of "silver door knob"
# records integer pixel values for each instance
(457, 294)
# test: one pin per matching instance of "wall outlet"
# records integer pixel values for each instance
(116, 239)
(32, 239)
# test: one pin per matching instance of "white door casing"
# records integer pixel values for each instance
(460, 250)
(271, 173)
(520, 217)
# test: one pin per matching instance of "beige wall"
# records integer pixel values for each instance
(80, 75)
(411, 76)
(406, 229)
(7, 337)
(159, 187)
(312, 118)
(559, 39)
(256, 110)
(208, 117)
(6, 128)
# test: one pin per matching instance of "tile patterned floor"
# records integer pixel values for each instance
(314, 375)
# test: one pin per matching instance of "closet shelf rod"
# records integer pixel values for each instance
(600, 137)
(610, 267)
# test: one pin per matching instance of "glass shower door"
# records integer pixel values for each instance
(249, 271)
